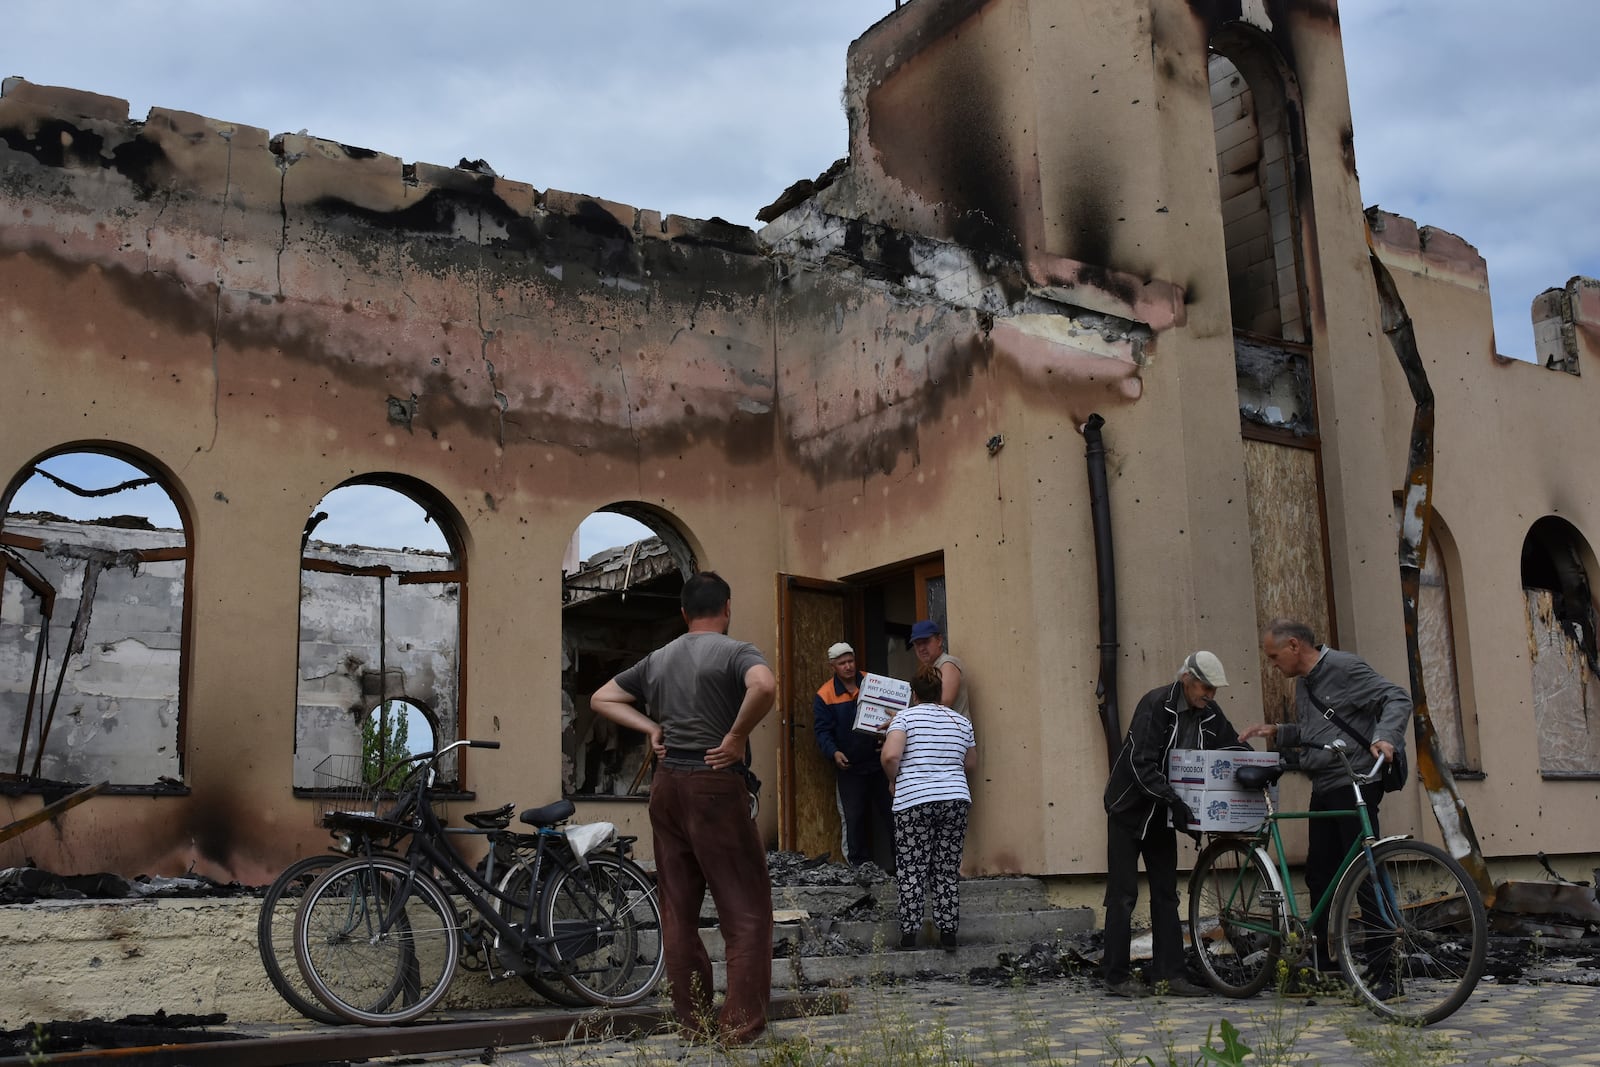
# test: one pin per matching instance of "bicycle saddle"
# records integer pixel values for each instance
(498, 819)
(550, 814)
(1256, 777)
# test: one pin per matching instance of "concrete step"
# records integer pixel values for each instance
(840, 934)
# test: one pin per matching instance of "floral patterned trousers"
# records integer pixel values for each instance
(927, 857)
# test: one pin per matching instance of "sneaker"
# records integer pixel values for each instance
(908, 940)
(947, 940)
(1129, 987)
(1181, 987)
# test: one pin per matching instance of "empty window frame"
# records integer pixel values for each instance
(620, 600)
(94, 562)
(382, 596)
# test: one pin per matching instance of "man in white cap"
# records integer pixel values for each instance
(1138, 800)
(866, 825)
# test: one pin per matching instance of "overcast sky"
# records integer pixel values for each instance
(1474, 116)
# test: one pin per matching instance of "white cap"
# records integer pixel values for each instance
(839, 649)
(1205, 668)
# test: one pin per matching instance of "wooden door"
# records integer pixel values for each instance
(813, 615)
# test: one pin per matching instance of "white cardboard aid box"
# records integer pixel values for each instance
(1204, 779)
(878, 700)
(1225, 811)
(1201, 768)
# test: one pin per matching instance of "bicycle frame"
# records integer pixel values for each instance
(1268, 843)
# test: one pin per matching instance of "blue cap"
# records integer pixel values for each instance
(925, 628)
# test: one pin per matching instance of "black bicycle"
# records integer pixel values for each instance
(353, 835)
(378, 938)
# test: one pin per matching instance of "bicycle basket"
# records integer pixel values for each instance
(341, 789)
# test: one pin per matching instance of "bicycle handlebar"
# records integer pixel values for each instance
(1341, 749)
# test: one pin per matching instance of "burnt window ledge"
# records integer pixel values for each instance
(446, 795)
(1570, 776)
(584, 798)
(56, 790)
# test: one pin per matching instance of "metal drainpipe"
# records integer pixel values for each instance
(1105, 571)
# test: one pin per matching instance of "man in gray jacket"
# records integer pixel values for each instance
(1374, 706)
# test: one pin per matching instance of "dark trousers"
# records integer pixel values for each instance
(1159, 848)
(867, 826)
(1326, 844)
(704, 838)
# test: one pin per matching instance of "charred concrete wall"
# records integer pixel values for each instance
(1028, 230)
(261, 319)
(1505, 431)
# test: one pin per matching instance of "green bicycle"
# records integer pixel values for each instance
(1407, 925)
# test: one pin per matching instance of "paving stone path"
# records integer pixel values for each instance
(1069, 1023)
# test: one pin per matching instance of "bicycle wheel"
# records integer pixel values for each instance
(1235, 918)
(520, 886)
(606, 928)
(1410, 931)
(376, 941)
(275, 936)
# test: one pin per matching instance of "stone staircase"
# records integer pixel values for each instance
(828, 935)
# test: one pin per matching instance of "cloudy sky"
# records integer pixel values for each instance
(1470, 115)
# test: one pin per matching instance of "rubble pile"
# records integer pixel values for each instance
(25, 885)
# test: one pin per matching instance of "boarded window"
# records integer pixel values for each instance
(96, 568)
(1436, 642)
(1562, 642)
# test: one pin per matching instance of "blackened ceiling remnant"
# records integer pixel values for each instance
(803, 190)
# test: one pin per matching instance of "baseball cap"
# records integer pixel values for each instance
(1205, 668)
(925, 628)
(839, 649)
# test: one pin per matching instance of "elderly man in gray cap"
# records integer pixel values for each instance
(862, 787)
(1138, 800)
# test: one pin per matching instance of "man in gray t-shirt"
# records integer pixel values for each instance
(697, 699)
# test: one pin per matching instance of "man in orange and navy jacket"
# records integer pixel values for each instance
(863, 789)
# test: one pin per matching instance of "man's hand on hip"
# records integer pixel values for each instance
(841, 760)
(728, 753)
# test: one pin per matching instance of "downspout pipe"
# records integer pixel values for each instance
(1105, 573)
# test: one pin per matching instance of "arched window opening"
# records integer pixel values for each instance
(381, 592)
(94, 567)
(1561, 632)
(1255, 175)
(619, 591)
(1253, 123)
(391, 731)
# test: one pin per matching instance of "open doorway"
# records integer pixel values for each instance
(874, 612)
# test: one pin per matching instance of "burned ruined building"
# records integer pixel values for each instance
(872, 410)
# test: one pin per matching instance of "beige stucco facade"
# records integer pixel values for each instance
(1028, 232)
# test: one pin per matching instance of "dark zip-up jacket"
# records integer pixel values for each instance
(1138, 786)
(1378, 709)
(833, 718)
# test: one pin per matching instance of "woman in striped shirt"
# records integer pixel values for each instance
(928, 752)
